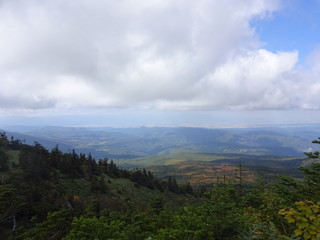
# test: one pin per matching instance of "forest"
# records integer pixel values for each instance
(50, 194)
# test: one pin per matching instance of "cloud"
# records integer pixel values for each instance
(156, 55)
(255, 81)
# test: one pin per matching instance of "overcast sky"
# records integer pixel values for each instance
(61, 57)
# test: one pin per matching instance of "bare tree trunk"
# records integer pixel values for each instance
(14, 220)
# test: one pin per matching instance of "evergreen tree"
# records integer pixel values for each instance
(3, 161)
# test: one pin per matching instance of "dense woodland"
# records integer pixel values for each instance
(55, 195)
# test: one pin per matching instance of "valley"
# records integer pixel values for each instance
(161, 190)
(195, 155)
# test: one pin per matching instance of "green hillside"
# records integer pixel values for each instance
(36, 182)
(68, 196)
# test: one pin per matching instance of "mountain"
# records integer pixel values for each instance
(129, 143)
(44, 140)
(196, 155)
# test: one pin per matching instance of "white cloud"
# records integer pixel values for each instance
(256, 80)
(160, 54)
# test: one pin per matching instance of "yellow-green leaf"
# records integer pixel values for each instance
(298, 232)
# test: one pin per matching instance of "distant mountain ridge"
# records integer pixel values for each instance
(30, 140)
(126, 143)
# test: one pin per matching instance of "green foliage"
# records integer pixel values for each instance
(3, 161)
(33, 160)
(189, 223)
(293, 190)
(311, 186)
(95, 229)
(218, 217)
(267, 231)
(12, 204)
(304, 215)
(306, 218)
(54, 227)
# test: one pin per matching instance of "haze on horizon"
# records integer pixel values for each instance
(141, 63)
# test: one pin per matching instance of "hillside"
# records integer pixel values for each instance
(65, 196)
(35, 181)
(208, 168)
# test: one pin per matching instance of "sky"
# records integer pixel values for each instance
(161, 62)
